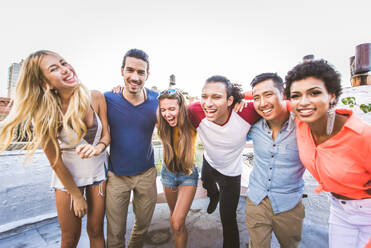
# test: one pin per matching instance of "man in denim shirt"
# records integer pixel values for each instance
(273, 201)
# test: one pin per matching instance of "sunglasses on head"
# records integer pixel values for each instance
(168, 92)
(171, 92)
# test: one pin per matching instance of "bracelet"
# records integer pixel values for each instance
(101, 142)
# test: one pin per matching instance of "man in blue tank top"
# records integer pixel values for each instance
(131, 117)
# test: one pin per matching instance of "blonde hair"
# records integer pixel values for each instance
(37, 110)
(185, 160)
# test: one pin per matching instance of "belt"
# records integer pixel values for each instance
(341, 197)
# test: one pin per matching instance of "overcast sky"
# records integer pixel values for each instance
(191, 39)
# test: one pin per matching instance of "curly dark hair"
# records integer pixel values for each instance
(319, 69)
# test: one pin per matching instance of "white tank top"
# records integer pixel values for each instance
(84, 171)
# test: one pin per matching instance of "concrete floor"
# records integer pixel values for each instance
(204, 230)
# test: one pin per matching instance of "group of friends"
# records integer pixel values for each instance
(294, 126)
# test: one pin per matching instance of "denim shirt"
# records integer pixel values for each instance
(277, 170)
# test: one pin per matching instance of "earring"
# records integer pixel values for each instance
(54, 91)
(330, 119)
(291, 121)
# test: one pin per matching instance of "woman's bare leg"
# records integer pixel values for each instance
(178, 213)
(96, 209)
(70, 224)
(171, 195)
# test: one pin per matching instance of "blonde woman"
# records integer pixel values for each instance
(179, 175)
(59, 114)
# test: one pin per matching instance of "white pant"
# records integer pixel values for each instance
(349, 223)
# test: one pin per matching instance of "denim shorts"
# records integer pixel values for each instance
(174, 180)
(100, 183)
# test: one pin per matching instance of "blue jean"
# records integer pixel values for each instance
(174, 180)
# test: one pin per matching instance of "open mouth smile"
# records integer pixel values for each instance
(306, 112)
(70, 78)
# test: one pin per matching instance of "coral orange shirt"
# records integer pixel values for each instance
(341, 164)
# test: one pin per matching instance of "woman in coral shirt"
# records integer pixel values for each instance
(335, 146)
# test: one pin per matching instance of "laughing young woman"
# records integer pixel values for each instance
(179, 175)
(59, 114)
(335, 146)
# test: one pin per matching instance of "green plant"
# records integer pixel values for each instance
(351, 102)
(365, 108)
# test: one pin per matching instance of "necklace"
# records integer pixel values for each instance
(143, 91)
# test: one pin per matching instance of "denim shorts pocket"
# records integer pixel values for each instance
(194, 173)
(164, 171)
(168, 179)
(189, 180)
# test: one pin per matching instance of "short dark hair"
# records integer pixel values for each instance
(234, 90)
(277, 80)
(319, 69)
(138, 54)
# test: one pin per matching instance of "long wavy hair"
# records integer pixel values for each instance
(37, 110)
(184, 162)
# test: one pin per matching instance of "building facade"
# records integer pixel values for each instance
(13, 74)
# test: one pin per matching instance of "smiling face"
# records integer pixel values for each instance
(268, 100)
(169, 109)
(310, 100)
(59, 74)
(135, 74)
(215, 103)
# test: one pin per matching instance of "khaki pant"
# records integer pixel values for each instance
(117, 202)
(261, 221)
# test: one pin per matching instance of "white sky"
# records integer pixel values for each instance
(191, 39)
